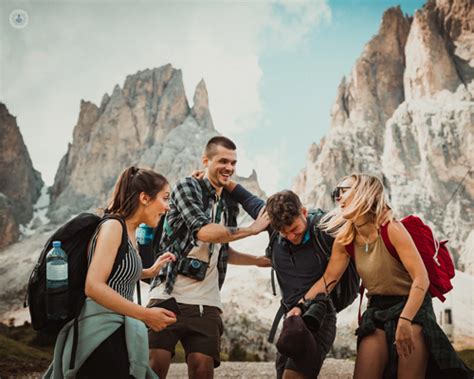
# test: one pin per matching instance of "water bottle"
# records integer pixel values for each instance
(144, 234)
(57, 283)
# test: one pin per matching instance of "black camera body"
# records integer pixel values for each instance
(192, 268)
(315, 312)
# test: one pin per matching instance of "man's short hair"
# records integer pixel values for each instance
(283, 208)
(212, 144)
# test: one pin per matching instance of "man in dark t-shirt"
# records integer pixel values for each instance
(298, 264)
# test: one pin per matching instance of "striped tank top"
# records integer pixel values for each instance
(124, 279)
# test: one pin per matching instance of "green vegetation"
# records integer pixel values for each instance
(239, 354)
(18, 358)
(468, 357)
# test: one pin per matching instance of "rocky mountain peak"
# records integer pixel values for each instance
(405, 114)
(20, 185)
(365, 100)
(431, 67)
(146, 123)
(200, 110)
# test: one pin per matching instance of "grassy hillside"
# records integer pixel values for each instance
(23, 351)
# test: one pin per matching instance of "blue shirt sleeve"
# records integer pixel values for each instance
(251, 203)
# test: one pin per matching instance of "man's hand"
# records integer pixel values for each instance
(263, 261)
(296, 311)
(387, 217)
(261, 223)
(198, 174)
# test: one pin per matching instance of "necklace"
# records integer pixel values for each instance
(366, 246)
(366, 240)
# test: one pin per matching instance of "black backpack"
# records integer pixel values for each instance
(344, 293)
(74, 236)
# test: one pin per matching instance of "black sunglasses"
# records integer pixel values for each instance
(337, 192)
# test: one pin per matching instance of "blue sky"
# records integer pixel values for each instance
(299, 86)
(271, 68)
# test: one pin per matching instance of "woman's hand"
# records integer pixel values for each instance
(158, 318)
(295, 311)
(157, 266)
(404, 340)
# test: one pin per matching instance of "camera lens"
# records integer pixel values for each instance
(315, 315)
(194, 266)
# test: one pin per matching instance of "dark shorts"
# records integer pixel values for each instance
(198, 333)
(324, 340)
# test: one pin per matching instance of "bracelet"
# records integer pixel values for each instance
(407, 319)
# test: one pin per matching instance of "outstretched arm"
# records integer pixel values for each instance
(238, 258)
(251, 203)
(215, 233)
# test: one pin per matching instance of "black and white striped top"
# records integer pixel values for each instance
(124, 279)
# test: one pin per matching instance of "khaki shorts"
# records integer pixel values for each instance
(198, 333)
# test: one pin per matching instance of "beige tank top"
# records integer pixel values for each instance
(381, 273)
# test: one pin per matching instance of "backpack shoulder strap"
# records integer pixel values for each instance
(205, 193)
(232, 208)
(278, 316)
(123, 245)
(387, 242)
(350, 250)
(269, 254)
(320, 242)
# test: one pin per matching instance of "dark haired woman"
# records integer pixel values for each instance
(112, 341)
(398, 336)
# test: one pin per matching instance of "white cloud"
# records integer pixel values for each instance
(270, 166)
(79, 50)
(293, 20)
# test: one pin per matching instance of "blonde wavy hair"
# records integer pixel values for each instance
(369, 199)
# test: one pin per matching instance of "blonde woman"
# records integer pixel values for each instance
(398, 335)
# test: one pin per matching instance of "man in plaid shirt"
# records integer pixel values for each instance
(197, 231)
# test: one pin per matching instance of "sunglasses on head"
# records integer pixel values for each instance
(338, 191)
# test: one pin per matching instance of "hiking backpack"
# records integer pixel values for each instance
(74, 236)
(434, 253)
(345, 291)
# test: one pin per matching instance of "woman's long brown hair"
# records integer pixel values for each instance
(130, 184)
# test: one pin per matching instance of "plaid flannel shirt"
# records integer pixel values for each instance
(186, 208)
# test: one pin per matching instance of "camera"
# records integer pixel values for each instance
(315, 313)
(192, 268)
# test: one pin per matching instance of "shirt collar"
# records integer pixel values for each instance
(210, 188)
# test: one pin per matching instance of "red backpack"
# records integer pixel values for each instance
(435, 254)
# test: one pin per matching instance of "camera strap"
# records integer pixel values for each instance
(216, 217)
